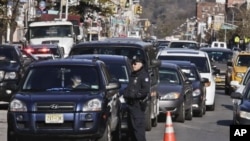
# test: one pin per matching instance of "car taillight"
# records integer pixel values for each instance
(44, 50)
(29, 50)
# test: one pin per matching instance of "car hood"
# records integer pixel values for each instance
(9, 65)
(240, 69)
(54, 97)
(164, 88)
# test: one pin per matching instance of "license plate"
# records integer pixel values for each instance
(54, 118)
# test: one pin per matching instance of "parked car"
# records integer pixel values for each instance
(198, 83)
(45, 51)
(65, 99)
(236, 69)
(241, 111)
(13, 64)
(219, 58)
(175, 92)
(130, 48)
(202, 62)
(218, 44)
(120, 68)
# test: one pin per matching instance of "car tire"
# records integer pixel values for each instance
(211, 107)
(189, 114)
(180, 117)
(148, 121)
(107, 136)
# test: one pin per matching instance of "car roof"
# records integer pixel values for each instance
(165, 64)
(64, 61)
(115, 43)
(184, 41)
(181, 52)
(215, 49)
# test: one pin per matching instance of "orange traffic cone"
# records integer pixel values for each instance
(169, 134)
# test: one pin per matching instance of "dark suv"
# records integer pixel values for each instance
(65, 98)
(12, 67)
(130, 48)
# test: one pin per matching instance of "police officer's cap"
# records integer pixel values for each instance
(137, 58)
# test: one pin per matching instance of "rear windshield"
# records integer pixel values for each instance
(169, 76)
(243, 60)
(124, 51)
(201, 63)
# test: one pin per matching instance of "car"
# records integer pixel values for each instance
(241, 111)
(203, 64)
(236, 69)
(130, 48)
(49, 104)
(120, 68)
(219, 58)
(45, 51)
(198, 83)
(13, 64)
(161, 43)
(184, 44)
(175, 93)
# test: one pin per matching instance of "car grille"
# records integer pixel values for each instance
(55, 107)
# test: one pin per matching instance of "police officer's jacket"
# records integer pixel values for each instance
(139, 85)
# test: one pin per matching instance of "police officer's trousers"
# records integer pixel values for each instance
(136, 122)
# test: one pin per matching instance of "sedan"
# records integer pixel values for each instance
(175, 92)
(241, 112)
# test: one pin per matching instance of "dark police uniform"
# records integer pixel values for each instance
(136, 95)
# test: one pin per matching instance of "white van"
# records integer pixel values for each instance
(217, 44)
(202, 62)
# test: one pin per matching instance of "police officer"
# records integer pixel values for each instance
(136, 95)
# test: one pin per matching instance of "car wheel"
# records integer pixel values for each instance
(189, 114)
(107, 134)
(180, 117)
(211, 107)
(148, 121)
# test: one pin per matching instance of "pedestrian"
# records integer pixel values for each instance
(136, 95)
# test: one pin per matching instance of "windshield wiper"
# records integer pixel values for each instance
(59, 89)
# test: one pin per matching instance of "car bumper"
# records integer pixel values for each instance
(242, 121)
(7, 89)
(75, 125)
(169, 105)
(197, 103)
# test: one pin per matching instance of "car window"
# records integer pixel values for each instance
(201, 63)
(169, 76)
(219, 56)
(9, 54)
(243, 60)
(120, 72)
(183, 45)
(189, 73)
(60, 78)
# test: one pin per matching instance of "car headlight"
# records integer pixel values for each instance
(92, 105)
(172, 95)
(244, 114)
(240, 74)
(10, 75)
(17, 106)
(196, 92)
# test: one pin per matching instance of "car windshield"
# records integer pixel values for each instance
(8, 54)
(119, 71)
(51, 31)
(183, 45)
(219, 56)
(124, 51)
(168, 76)
(200, 62)
(61, 78)
(243, 60)
(246, 78)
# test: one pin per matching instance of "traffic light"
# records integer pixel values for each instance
(139, 9)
